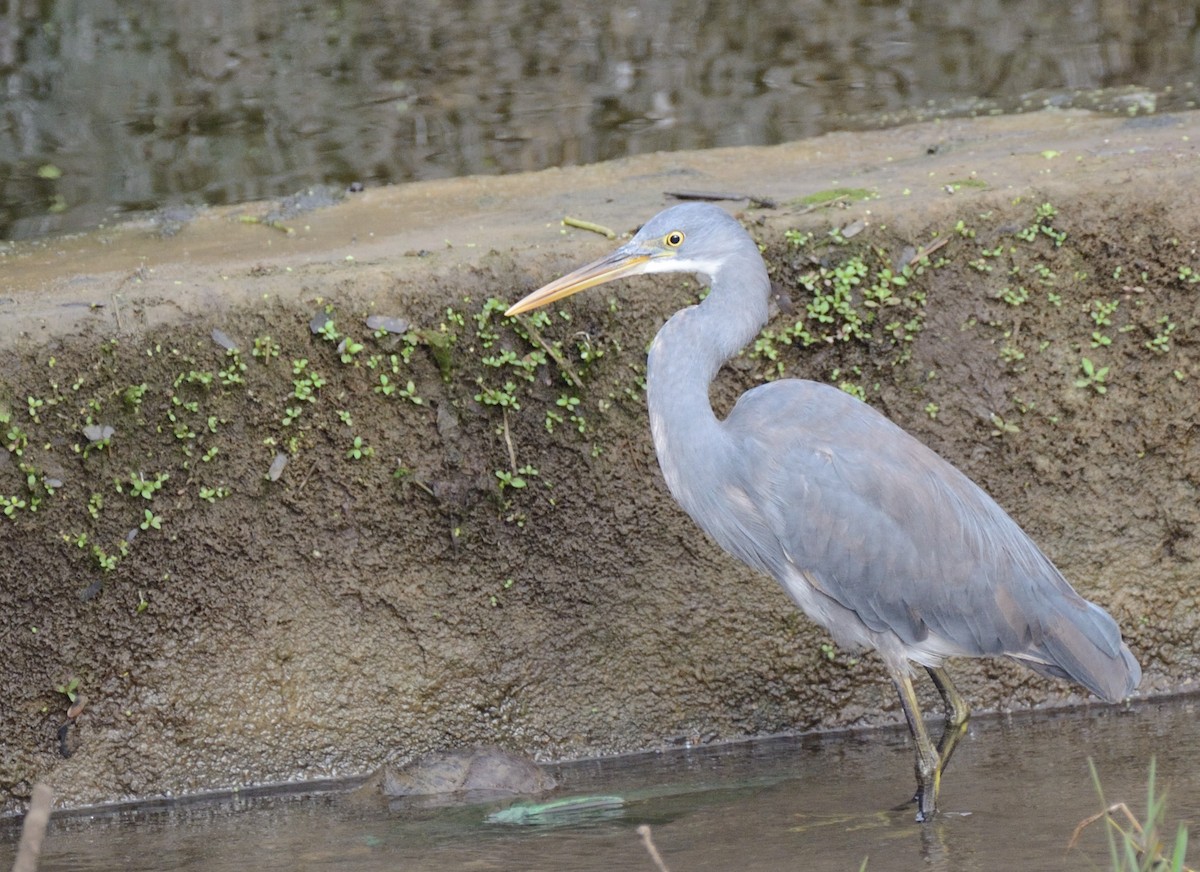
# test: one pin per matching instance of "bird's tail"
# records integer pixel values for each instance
(1082, 643)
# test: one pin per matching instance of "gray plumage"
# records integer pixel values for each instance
(874, 536)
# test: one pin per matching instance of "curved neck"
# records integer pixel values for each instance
(685, 357)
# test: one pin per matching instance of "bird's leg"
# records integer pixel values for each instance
(957, 713)
(928, 764)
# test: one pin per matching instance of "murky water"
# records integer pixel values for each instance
(110, 106)
(1014, 793)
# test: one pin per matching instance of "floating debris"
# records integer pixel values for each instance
(388, 324)
(570, 810)
(222, 339)
(277, 466)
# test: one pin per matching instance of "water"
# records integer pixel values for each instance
(113, 106)
(1015, 791)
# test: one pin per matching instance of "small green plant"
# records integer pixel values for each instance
(11, 505)
(212, 494)
(494, 600)
(359, 449)
(505, 397)
(69, 689)
(1161, 343)
(306, 383)
(1094, 377)
(79, 540)
(1011, 354)
(1102, 311)
(1000, 427)
(15, 439)
(798, 238)
(1043, 224)
(232, 374)
(132, 397)
(329, 331)
(510, 479)
(143, 487)
(151, 521)
(349, 349)
(1014, 296)
(265, 348)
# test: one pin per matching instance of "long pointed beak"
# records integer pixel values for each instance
(626, 260)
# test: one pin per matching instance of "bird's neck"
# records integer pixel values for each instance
(684, 358)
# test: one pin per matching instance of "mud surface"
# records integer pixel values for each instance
(426, 587)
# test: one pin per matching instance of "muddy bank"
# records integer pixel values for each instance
(469, 542)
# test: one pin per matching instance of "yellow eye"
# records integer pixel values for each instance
(674, 239)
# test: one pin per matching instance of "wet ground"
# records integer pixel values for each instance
(1017, 788)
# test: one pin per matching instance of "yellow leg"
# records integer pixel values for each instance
(957, 713)
(928, 764)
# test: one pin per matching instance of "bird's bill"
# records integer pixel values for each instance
(622, 262)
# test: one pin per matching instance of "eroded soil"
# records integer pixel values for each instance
(500, 563)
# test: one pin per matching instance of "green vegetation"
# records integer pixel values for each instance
(858, 308)
(1094, 377)
(1133, 845)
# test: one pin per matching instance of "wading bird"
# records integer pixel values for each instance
(876, 537)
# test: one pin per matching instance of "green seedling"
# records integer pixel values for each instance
(265, 348)
(505, 397)
(1102, 311)
(144, 487)
(359, 449)
(212, 494)
(1161, 343)
(69, 689)
(1094, 377)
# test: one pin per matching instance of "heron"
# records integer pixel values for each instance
(873, 535)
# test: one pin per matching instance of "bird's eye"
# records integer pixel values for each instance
(674, 239)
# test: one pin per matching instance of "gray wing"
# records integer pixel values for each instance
(905, 541)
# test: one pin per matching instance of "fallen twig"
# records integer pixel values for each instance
(825, 204)
(588, 225)
(927, 250)
(33, 830)
(756, 202)
(644, 832)
(512, 453)
(555, 354)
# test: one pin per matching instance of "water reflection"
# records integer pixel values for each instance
(114, 105)
(1014, 793)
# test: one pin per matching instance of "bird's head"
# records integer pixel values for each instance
(690, 237)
